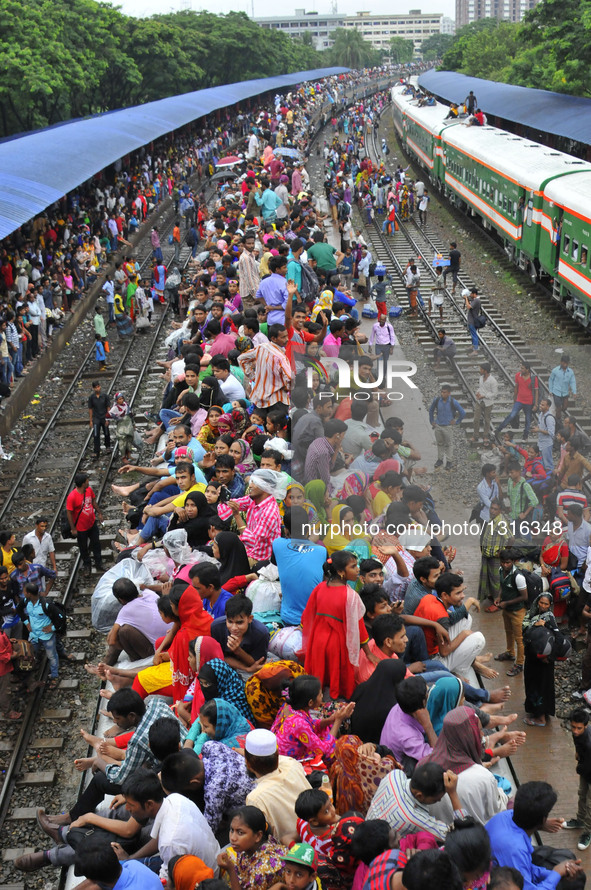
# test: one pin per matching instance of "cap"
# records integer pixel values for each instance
(303, 854)
(414, 540)
(261, 743)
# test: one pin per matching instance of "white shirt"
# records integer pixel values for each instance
(42, 547)
(180, 828)
(232, 388)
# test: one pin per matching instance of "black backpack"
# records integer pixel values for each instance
(534, 584)
(309, 290)
(56, 613)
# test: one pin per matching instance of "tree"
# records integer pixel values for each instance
(561, 29)
(350, 49)
(435, 46)
(402, 50)
(453, 59)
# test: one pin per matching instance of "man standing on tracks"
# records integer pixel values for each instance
(423, 207)
(486, 394)
(444, 414)
(82, 513)
(562, 384)
(454, 266)
(98, 407)
(546, 428)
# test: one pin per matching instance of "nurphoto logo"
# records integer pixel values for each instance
(349, 378)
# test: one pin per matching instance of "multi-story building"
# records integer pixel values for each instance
(378, 29)
(448, 26)
(510, 10)
(319, 27)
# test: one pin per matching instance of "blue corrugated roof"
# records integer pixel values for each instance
(40, 167)
(558, 113)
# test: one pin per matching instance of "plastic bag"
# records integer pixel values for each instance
(158, 563)
(286, 643)
(265, 594)
(104, 606)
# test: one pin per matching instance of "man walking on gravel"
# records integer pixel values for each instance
(82, 514)
(98, 407)
(454, 266)
(444, 414)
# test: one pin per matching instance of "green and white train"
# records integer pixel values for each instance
(536, 199)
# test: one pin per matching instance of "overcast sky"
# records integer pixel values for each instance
(348, 7)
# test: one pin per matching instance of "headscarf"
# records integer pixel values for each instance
(270, 482)
(233, 558)
(316, 492)
(230, 723)
(246, 464)
(355, 483)
(354, 778)
(212, 396)
(385, 466)
(263, 700)
(324, 302)
(186, 872)
(459, 745)
(177, 546)
(197, 528)
(339, 540)
(375, 698)
(534, 613)
(118, 412)
(444, 696)
(206, 648)
(240, 419)
(226, 420)
(227, 683)
(195, 622)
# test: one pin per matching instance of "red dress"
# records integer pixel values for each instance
(328, 624)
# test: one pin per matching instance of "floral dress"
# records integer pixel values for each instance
(261, 869)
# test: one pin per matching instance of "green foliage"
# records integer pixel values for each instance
(352, 51)
(550, 50)
(435, 46)
(71, 58)
(401, 50)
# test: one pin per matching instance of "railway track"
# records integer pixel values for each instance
(500, 344)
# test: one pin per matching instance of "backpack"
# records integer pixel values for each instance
(190, 238)
(542, 642)
(534, 584)
(56, 613)
(479, 321)
(559, 584)
(309, 290)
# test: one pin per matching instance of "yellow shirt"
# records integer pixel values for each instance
(180, 501)
(7, 559)
(276, 795)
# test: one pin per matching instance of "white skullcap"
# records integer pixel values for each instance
(261, 743)
(414, 540)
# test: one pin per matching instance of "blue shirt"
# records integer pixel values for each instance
(443, 411)
(219, 608)
(512, 846)
(562, 382)
(38, 620)
(137, 876)
(273, 290)
(299, 564)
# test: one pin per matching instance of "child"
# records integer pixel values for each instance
(254, 858)
(299, 872)
(6, 668)
(437, 293)
(379, 291)
(220, 721)
(579, 720)
(316, 820)
(42, 633)
(243, 639)
(99, 353)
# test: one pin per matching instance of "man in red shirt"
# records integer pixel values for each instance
(297, 335)
(445, 605)
(82, 513)
(525, 398)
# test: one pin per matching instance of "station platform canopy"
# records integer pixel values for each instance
(542, 110)
(40, 167)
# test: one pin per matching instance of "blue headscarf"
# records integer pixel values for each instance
(229, 685)
(444, 696)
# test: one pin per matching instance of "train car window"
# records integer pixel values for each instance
(496, 196)
(575, 253)
(504, 202)
(584, 254)
(530, 213)
(566, 244)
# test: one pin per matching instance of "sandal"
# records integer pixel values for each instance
(53, 683)
(515, 670)
(493, 608)
(505, 656)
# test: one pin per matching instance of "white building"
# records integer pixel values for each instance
(377, 29)
(319, 27)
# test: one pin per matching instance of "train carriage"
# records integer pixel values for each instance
(500, 176)
(420, 131)
(565, 241)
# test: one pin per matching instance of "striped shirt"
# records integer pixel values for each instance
(394, 802)
(263, 525)
(268, 367)
(248, 271)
